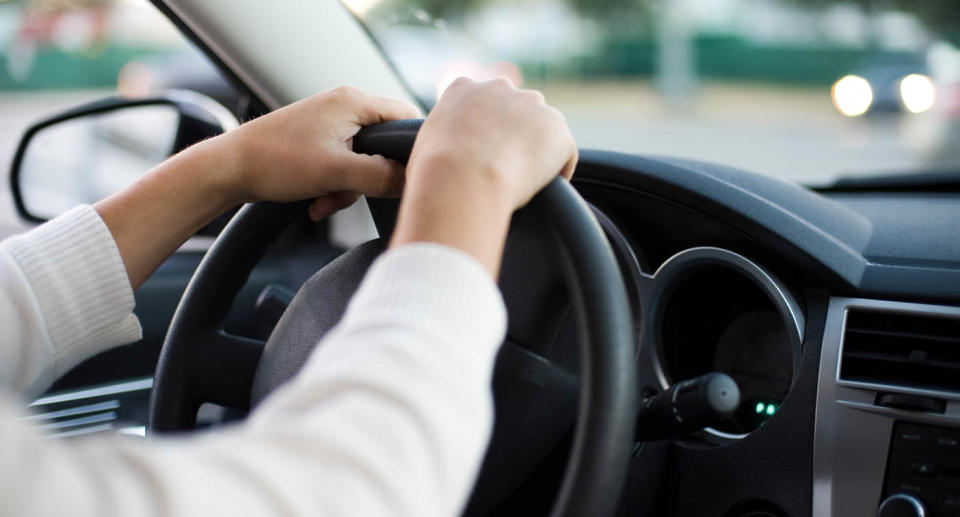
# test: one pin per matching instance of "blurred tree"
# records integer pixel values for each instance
(617, 16)
(437, 8)
(610, 8)
(603, 9)
(941, 16)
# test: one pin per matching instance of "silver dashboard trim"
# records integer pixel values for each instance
(145, 383)
(851, 434)
(949, 418)
(898, 388)
(73, 411)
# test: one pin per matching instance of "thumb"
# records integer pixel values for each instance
(330, 204)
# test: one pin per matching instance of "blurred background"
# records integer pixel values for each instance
(807, 90)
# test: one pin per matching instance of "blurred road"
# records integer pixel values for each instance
(786, 132)
(795, 134)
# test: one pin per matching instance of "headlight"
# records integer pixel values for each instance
(852, 95)
(917, 93)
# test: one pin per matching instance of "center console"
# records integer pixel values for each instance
(887, 439)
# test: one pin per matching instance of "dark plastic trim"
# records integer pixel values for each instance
(924, 181)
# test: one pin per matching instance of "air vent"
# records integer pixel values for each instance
(119, 407)
(901, 349)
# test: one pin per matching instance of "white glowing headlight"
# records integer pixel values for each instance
(852, 95)
(917, 93)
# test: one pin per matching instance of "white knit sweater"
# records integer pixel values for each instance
(391, 415)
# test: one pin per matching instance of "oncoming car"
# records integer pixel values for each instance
(791, 276)
(885, 88)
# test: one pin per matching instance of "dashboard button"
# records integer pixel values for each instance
(949, 505)
(923, 469)
(925, 493)
(948, 441)
(914, 437)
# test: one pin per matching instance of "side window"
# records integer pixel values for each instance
(55, 55)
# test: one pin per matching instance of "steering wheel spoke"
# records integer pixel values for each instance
(222, 368)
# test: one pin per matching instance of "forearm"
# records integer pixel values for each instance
(389, 417)
(153, 217)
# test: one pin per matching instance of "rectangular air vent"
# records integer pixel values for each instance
(119, 407)
(901, 349)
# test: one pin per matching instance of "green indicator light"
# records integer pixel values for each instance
(771, 409)
(760, 407)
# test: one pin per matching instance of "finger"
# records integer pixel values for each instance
(571, 165)
(371, 109)
(371, 175)
(460, 83)
(573, 154)
(324, 206)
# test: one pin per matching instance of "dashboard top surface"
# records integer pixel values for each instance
(885, 245)
(909, 229)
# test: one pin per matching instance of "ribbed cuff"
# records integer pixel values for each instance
(436, 287)
(77, 274)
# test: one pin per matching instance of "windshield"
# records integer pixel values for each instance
(808, 90)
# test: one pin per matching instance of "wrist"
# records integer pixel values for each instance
(220, 171)
(447, 202)
(449, 176)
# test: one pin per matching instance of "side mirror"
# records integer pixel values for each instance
(88, 153)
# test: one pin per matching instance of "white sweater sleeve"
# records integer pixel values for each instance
(64, 296)
(390, 416)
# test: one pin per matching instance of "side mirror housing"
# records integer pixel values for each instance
(89, 152)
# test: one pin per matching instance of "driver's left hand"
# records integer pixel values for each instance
(304, 150)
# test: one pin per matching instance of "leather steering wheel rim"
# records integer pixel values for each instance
(200, 363)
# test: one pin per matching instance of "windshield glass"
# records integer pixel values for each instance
(808, 90)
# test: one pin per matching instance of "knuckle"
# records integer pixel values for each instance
(411, 109)
(345, 93)
(535, 95)
(555, 117)
(461, 82)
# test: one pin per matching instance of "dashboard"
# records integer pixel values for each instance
(838, 314)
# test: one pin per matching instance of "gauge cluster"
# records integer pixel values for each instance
(708, 309)
(712, 310)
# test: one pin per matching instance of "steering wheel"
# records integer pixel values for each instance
(201, 363)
